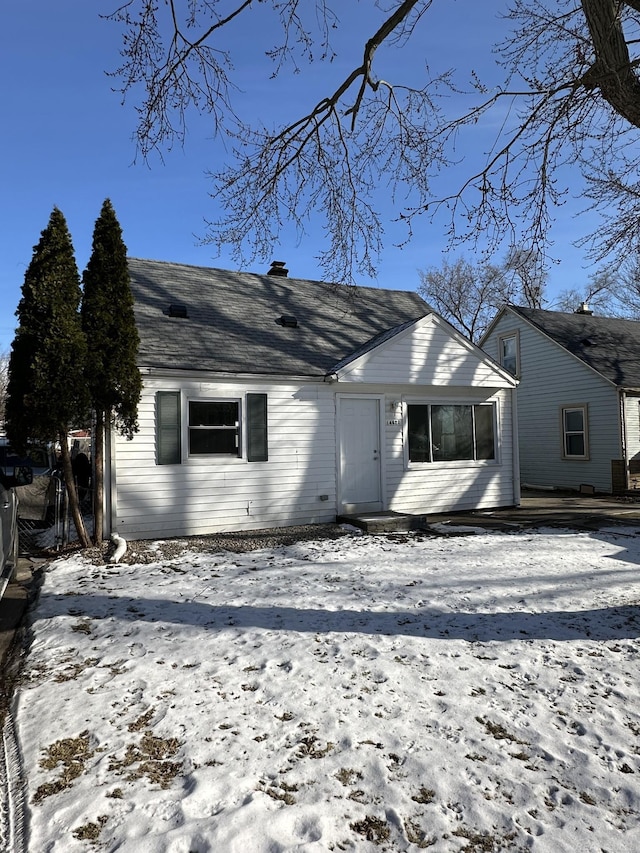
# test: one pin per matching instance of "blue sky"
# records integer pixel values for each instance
(67, 141)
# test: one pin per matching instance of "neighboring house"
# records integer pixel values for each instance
(270, 401)
(578, 397)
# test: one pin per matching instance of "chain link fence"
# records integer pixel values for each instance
(44, 520)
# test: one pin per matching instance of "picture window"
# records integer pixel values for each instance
(447, 433)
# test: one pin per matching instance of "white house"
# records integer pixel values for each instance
(272, 401)
(578, 397)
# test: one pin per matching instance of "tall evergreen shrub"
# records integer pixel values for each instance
(112, 376)
(46, 391)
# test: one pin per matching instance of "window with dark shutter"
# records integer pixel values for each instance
(214, 428)
(257, 446)
(168, 444)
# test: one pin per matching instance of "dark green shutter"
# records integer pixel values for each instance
(168, 428)
(257, 449)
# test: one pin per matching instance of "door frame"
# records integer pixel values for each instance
(343, 508)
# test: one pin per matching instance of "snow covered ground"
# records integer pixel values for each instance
(467, 693)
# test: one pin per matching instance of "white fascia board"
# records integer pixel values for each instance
(212, 375)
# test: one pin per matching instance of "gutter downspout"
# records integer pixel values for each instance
(120, 550)
(110, 493)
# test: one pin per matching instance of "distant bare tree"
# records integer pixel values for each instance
(627, 293)
(469, 295)
(609, 292)
(525, 277)
(465, 295)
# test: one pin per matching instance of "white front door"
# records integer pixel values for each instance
(360, 467)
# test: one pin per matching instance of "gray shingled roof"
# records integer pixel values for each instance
(608, 345)
(231, 324)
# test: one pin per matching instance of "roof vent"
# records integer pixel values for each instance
(288, 320)
(584, 309)
(278, 268)
(177, 310)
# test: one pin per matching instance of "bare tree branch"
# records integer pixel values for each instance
(568, 98)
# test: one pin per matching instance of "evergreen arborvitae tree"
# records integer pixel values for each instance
(46, 391)
(108, 321)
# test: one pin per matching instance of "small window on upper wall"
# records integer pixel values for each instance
(509, 349)
(575, 443)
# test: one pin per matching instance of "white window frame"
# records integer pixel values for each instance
(564, 432)
(507, 336)
(173, 428)
(238, 428)
(452, 463)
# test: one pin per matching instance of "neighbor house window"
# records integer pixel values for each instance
(574, 432)
(214, 427)
(447, 433)
(509, 346)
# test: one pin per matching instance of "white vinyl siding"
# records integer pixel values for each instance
(428, 353)
(630, 403)
(434, 365)
(208, 494)
(298, 485)
(632, 426)
(458, 485)
(300, 481)
(550, 379)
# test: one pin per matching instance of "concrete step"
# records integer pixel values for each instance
(384, 522)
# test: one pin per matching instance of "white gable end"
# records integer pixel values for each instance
(429, 352)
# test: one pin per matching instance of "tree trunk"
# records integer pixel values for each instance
(72, 492)
(613, 72)
(98, 485)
